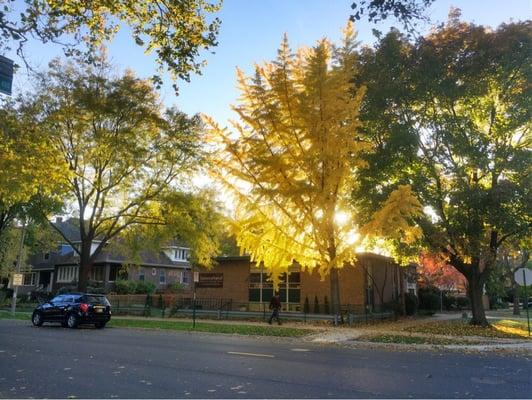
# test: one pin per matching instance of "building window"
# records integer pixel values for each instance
(46, 256)
(184, 277)
(97, 274)
(29, 279)
(261, 287)
(141, 274)
(162, 277)
(113, 272)
(67, 274)
(181, 254)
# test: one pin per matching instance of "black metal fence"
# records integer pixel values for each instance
(159, 306)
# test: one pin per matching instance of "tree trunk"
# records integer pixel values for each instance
(85, 264)
(474, 292)
(335, 292)
(517, 311)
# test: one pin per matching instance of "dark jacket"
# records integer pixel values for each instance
(275, 303)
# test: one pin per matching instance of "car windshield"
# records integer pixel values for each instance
(95, 299)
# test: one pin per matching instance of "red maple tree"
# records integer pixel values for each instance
(435, 271)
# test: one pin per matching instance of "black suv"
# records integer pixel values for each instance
(73, 309)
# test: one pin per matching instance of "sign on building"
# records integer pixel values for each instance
(211, 280)
(17, 279)
(6, 75)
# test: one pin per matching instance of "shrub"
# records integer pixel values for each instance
(6, 295)
(175, 288)
(125, 287)
(143, 287)
(66, 289)
(429, 299)
(411, 304)
(306, 306)
(316, 305)
(462, 302)
(326, 305)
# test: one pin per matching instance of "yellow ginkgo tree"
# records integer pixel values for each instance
(292, 158)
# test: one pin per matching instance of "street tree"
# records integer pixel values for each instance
(450, 116)
(176, 31)
(434, 271)
(30, 175)
(121, 150)
(408, 12)
(291, 160)
(193, 219)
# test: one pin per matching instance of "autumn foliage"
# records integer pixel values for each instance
(434, 270)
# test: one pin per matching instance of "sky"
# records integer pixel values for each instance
(251, 32)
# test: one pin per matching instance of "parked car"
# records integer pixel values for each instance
(74, 309)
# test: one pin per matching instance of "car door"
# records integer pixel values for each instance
(51, 309)
(62, 307)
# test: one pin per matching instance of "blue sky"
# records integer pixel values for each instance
(251, 32)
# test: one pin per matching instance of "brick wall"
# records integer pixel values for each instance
(353, 278)
(235, 281)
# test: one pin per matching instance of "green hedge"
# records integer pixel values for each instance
(134, 287)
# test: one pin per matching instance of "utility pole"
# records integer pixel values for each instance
(17, 268)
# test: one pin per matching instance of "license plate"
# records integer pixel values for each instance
(98, 309)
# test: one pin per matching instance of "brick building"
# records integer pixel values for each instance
(373, 280)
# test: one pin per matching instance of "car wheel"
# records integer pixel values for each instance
(72, 321)
(36, 319)
(99, 325)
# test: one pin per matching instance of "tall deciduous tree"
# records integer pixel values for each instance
(292, 158)
(175, 30)
(408, 12)
(30, 175)
(122, 152)
(450, 115)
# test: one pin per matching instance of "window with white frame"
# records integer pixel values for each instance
(184, 276)
(29, 279)
(181, 254)
(97, 273)
(162, 277)
(142, 275)
(67, 274)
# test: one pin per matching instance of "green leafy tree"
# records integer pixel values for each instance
(121, 150)
(175, 31)
(192, 219)
(450, 116)
(408, 12)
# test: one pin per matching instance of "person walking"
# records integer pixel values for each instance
(275, 306)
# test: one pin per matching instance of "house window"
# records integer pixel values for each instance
(162, 277)
(46, 256)
(141, 274)
(113, 272)
(184, 277)
(97, 274)
(29, 279)
(67, 274)
(181, 254)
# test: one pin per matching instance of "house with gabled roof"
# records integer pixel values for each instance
(60, 268)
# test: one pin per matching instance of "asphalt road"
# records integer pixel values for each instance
(56, 362)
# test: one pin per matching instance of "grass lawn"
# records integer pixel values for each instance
(412, 339)
(187, 326)
(503, 328)
(18, 315)
(206, 327)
